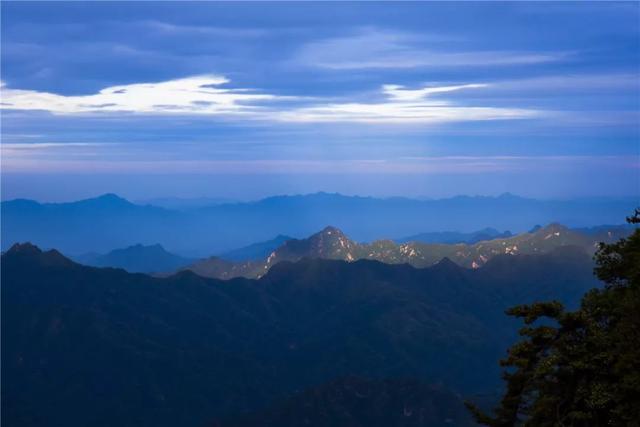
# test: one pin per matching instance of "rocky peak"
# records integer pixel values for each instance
(331, 231)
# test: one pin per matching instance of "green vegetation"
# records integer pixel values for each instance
(583, 368)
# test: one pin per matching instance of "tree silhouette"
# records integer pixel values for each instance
(579, 368)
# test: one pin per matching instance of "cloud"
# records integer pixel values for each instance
(171, 29)
(399, 93)
(570, 83)
(373, 48)
(193, 95)
(407, 106)
(47, 145)
(206, 95)
(35, 153)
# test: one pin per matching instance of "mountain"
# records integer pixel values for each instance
(604, 230)
(256, 250)
(180, 203)
(92, 225)
(103, 347)
(107, 222)
(331, 243)
(356, 401)
(137, 259)
(452, 237)
(219, 268)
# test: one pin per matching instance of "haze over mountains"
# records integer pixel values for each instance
(320, 329)
(185, 350)
(180, 203)
(137, 259)
(453, 237)
(255, 251)
(110, 222)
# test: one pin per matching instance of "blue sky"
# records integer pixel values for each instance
(245, 100)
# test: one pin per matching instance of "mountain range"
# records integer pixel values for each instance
(108, 222)
(255, 251)
(453, 237)
(331, 243)
(137, 259)
(100, 346)
(181, 203)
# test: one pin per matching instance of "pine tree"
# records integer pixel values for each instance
(579, 368)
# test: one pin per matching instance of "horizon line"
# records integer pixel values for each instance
(231, 200)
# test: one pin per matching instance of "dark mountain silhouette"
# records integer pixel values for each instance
(255, 251)
(331, 243)
(137, 259)
(453, 237)
(361, 402)
(102, 347)
(108, 222)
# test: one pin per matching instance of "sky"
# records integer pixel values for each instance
(246, 100)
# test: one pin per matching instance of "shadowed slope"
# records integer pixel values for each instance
(103, 347)
(360, 402)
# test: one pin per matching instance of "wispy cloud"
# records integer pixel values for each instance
(374, 48)
(35, 153)
(171, 29)
(47, 145)
(404, 105)
(571, 83)
(411, 165)
(194, 95)
(207, 95)
(400, 93)
(21, 136)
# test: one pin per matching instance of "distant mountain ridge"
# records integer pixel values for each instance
(256, 250)
(137, 259)
(181, 203)
(153, 347)
(453, 237)
(331, 243)
(107, 222)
